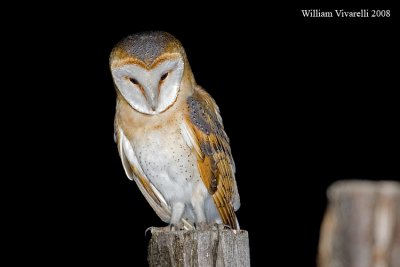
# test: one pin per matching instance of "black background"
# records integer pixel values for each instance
(305, 102)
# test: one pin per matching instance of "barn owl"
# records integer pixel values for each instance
(170, 136)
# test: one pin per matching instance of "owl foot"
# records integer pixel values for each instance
(225, 226)
(203, 226)
(221, 227)
(168, 228)
(154, 229)
(177, 227)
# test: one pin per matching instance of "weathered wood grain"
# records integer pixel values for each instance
(220, 248)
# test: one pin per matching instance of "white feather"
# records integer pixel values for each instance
(128, 156)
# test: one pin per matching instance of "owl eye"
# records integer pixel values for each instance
(134, 81)
(164, 76)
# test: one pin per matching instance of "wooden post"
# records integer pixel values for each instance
(220, 248)
(361, 227)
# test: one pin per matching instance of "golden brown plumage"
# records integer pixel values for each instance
(214, 158)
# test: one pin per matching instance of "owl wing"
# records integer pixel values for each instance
(204, 132)
(134, 172)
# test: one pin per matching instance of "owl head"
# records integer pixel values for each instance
(148, 69)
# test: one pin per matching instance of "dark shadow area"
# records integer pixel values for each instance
(304, 104)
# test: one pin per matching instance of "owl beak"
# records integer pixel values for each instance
(153, 107)
(153, 98)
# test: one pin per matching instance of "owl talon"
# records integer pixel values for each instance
(154, 229)
(220, 227)
(148, 229)
(224, 226)
(168, 228)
